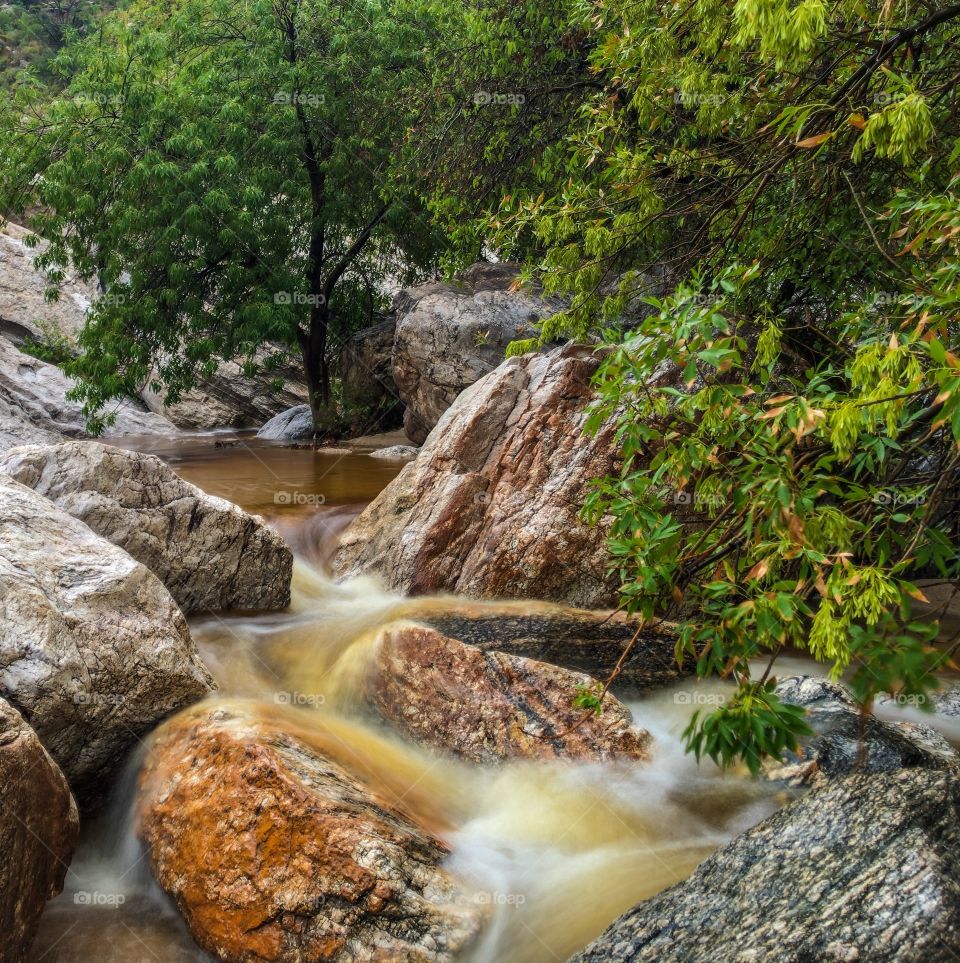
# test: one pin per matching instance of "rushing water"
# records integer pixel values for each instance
(557, 850)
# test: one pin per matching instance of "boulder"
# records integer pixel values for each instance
(25, 312)
(396, 452)
(93, 650)
(231, 398)
(490, 506)
(295, 424)
(38, 830)
(370, 393)
(210, 554)
(34, 407)
(449, 335)
(590, 642)
(844, 742)
(491, 706)
(272, 851)
(865, 868)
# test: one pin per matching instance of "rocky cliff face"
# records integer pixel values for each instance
(449, 335)
(34, 407)
(490, 506)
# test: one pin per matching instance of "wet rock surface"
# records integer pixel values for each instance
(94, 652)
(38, 831)
(210, 554)
(866, 868)
(844, 742)
(590, 642)
(490, 507)
(451, 334)
(272, 851)
(491, 706)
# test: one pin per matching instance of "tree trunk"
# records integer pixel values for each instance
(313, 350)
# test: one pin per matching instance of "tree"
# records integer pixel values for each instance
(225, 171)
(793, 165)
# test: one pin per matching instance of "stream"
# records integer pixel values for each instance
(557, 850)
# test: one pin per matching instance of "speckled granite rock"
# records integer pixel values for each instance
(273, 851)
(843, 743)
(93, 650)
(451, 334)
(38, 830)
(490, 506)
(865, 869)
(489, 706)
(590, 642)
(210, 554)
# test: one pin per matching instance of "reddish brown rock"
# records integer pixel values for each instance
(272, 851)
(38, 830)
(490, 706)
(490, 507)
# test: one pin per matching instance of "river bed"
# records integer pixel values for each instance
(557, 851)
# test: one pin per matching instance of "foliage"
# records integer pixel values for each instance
(224, 171)
(33, 31)
(756, 205)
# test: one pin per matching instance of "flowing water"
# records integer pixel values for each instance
(557, 850)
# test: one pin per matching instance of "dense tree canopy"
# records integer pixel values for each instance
(792, 166)
(224, 171)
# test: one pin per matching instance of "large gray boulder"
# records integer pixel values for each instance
(451, 334)
(866, 868)
(93, 649)
(38, 830)
(210, 554)
(294, 424)
(34, 407)
(490, 506)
